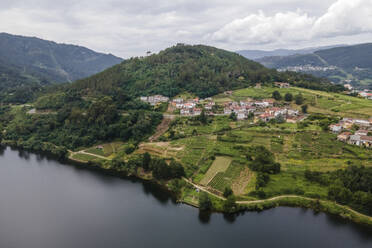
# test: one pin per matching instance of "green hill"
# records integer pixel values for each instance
(202, 70)
(28, 62)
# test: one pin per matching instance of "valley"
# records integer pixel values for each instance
(256, 139)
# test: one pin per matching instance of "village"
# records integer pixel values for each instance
(263, 110)
(354, 131)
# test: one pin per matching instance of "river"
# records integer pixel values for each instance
(47, 204)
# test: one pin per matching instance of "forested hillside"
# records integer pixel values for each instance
(202, 70)
(27, 62)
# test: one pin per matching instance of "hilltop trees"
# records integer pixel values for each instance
(276, 95)
(288, 97)
(299, 99)
(304, 108)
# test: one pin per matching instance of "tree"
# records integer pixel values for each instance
(288, 97)
(205, 203)
(262, 160)
(230, 204)
(262, 180)
(304, 108)
(160, 169)
(146, 160)
(279, 119)
(177, 170)
(299, 99)
(227, 192)
(233, 116)
(276, 95)
(203, 117)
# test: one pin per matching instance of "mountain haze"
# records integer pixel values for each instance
(258, 54)
(341, 64)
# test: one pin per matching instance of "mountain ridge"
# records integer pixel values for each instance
(33, 62)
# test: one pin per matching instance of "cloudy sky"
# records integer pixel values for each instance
(131, 27)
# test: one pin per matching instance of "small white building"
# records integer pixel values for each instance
(241, 116)
(336, 128)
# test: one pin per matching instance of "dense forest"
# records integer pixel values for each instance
(73, 122)
(202, 70)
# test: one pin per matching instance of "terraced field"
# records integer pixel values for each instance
(220, 165)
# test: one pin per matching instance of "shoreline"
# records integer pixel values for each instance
(317, 205)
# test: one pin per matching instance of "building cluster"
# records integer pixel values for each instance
(153, 100)
(192, 107)
(307, 68)
(263, 110)
(359, 137)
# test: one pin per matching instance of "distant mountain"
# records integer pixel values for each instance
(348, 64)
(29, 62)
(257, 54)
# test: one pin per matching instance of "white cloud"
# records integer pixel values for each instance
(343, 18)
(132, 27)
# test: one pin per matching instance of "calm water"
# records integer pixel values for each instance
(44, 203)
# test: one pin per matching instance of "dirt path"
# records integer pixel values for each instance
(162, 128)
(72, 153)
(202, 188)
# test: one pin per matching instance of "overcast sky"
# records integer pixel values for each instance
(131, 27)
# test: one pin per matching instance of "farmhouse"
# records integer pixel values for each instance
(362, 123)
(336, 128)
(366, 141)
(153, 100)
(354, 140)
(282, 85)
(343, 136)
(361, 132)
(196, 111)
(241, 116)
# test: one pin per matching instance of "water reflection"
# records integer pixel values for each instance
(63, 204)
(204, 217)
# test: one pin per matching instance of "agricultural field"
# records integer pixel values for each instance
(204, 157)
(217, 169)
(85, 158)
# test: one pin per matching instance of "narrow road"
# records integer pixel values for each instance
(305, 198)
(163, 127)
(202, 188)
